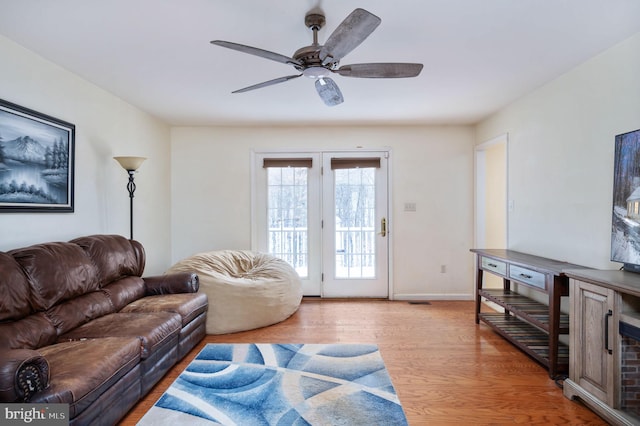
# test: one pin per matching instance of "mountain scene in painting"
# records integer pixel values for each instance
(34, 161)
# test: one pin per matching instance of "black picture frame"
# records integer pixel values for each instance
(37, 161)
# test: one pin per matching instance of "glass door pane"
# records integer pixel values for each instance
(354, 194)
(287, 216)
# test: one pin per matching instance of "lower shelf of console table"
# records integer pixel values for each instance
(534, 312)
(527, 338)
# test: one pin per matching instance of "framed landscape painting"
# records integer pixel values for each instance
(36, 161)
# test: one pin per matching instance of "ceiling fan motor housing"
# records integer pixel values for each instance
(311, 64)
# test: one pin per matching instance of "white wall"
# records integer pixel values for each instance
(431, 166)
(105, 126)
(561, 147)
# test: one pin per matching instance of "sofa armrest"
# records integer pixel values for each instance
(180, 282)
(23, 372)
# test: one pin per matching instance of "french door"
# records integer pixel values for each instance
(355, 225)
(326, 213)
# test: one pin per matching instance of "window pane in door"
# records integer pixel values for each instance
(354, 194)
(287, 216)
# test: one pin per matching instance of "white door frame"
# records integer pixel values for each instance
(307, 151)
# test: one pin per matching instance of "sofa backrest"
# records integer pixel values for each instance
(114, 256)
(48, 289)
(57, 272)
(15, 299)
(20, 326)
(120, 263)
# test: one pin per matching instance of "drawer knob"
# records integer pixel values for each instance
(526, 276)
(493, 265)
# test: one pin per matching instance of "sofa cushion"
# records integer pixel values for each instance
(14, 288)
(31, 332)
(152, 329)
(57, 272)
(114, 256)
(82, 370)
(70, 314)
(187, 305)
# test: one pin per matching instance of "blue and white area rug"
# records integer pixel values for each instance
(269, 384)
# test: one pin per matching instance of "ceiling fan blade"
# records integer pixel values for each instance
(256, 51)
(348, 35)
(380, 70)
(267, 83)
(329, 91)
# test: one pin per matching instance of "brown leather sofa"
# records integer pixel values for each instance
(79, 325)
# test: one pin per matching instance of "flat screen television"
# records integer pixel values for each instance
(625, 223)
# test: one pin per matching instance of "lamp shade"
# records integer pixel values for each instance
(130, 163)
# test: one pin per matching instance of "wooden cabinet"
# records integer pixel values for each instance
(593, 337)
(603, 303)
(532, 325)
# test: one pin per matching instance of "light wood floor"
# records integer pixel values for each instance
(446, 369)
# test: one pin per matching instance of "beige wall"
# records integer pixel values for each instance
(491, 199)
(496, 196)
(431, 166)
(561, 145)
(105, 126)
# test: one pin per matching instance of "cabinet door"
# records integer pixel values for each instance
(592, 354)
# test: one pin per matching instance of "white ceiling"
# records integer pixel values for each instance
(478, 55)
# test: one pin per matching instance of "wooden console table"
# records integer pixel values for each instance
(532, 326)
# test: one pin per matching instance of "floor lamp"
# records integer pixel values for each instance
(130, 164)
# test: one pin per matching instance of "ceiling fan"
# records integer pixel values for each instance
(321, 61)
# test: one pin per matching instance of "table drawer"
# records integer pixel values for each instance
(493, 265)
(528, 277)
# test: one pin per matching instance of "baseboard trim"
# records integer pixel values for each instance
(428, 296)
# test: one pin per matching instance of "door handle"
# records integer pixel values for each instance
(383, 227)
(606, 331)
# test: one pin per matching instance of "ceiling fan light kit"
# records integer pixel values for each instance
(319, 62)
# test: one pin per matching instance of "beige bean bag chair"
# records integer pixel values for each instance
(246, 290)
